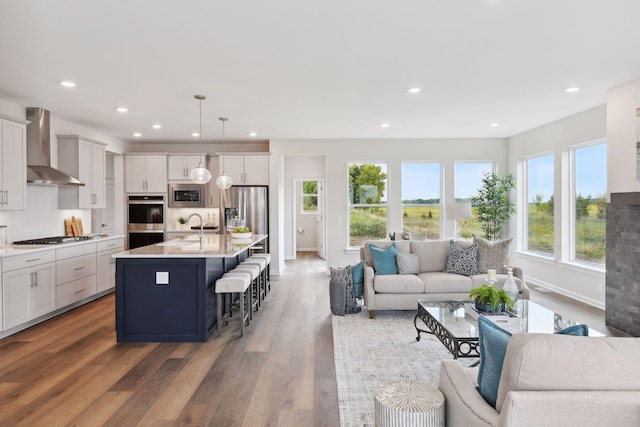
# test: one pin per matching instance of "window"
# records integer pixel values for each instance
(309, 197)
(367, 202)
(421, 199)
(540, 231)
(467, 181)
(589, 203)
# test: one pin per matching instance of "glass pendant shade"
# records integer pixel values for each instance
(200, 175)
(224, 181)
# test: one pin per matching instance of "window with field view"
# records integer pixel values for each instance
(467, 180)
(309, 197)
(367, 202)
(590, 203)
(540, 185)
(421, 199)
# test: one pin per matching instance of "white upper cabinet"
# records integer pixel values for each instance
(145, 173)
(13, 160)
(246, 169)
(84, 159)
(181, 166)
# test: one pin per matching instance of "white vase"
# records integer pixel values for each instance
(510, 286)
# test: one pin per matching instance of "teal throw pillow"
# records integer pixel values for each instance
(384, 260)
(357, 274)
(492, 343)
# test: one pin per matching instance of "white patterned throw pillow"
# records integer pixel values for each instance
(408, 263)
(462, 260)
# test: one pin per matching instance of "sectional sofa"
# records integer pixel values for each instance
(431, 283)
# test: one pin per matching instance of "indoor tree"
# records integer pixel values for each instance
(493, 208)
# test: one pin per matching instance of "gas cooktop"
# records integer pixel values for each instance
(55, 240)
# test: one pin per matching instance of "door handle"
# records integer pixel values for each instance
(5, 197)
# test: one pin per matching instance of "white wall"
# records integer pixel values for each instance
(622, 102)
(558, 273)
(339, 153)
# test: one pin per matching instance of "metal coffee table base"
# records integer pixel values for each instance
(458, 347)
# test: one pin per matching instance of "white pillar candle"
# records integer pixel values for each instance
(510, 260)
(491, 275)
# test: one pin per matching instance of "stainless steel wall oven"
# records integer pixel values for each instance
(145, 220)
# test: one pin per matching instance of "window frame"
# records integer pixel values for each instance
(454, 198)
(303, 195)
(440, 191)
(385, 205)
(525, 205)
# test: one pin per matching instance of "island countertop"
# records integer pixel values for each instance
(213, 246)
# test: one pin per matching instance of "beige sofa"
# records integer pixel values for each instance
(401, 291)
(551, 380)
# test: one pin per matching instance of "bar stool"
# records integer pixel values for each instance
(267, 258)
(262, 265)
(254, 271)
(227, 285)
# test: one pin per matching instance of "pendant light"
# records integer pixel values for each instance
(200, 175)
(224, 181)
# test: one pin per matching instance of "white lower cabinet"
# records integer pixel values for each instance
(106, 270)
(28, 292)
(76, 274)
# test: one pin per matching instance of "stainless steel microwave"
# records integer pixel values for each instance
(186, 196)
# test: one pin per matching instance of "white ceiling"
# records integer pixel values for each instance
(316, 69)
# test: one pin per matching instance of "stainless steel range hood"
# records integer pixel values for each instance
(39, 170)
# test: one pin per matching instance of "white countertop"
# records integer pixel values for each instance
(12, 250)
(213, 246)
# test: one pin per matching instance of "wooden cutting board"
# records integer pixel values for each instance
(73, 226)
(68, 231)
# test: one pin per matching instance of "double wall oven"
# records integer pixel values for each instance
(145, 220)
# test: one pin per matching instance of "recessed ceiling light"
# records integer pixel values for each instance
(384, 125)
(414, 90)
(195, 134)
(494, 125)
(67, 83)
(253, 134)
(137, 134)
(122, 109)
(572, 89)
(156, 126)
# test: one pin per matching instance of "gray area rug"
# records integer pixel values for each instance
(368, 352)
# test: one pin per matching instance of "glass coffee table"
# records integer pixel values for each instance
(455, 324)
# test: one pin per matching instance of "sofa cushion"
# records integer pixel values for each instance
(357, 275)
(462, 260)
(398, 284)
(432, 255)
(491, 254)
(492, 342)
(440, 282)
(408, 263)
(384, 260)
(402, 246)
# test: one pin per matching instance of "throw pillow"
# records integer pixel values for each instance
(491, 254)
(492, 342)
(341, 275)
(462, 260)
(408, 263)
(384, 260)
(357, 276)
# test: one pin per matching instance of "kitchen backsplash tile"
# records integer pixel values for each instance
(42, 217)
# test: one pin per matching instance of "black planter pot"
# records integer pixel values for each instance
(486, 307)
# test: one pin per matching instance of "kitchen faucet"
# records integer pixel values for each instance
(201, 226)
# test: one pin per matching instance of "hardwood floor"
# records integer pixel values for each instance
(70, 370)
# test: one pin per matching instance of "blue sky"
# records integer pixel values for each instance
(422, 180)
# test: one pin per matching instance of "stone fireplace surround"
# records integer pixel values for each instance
(622, 305)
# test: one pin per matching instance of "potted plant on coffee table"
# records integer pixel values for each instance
(490, 300)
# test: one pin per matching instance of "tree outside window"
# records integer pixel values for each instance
(540, 205)
(590, 203)
(367, 202)
(309, 197)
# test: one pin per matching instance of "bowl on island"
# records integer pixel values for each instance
(240, 233)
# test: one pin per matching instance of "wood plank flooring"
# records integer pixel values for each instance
(69, 371)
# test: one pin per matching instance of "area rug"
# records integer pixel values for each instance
(368, 352)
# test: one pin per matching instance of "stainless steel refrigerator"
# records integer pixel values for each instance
(248, 203)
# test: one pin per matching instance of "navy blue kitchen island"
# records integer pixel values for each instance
(165, 292)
